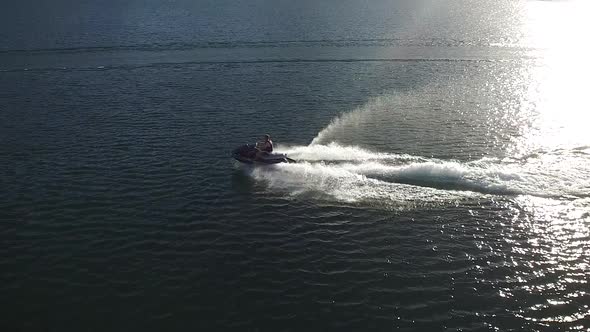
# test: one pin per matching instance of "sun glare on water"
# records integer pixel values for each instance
(557, 31)
(558, 137)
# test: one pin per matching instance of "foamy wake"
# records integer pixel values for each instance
(336, 152)
(352, 174)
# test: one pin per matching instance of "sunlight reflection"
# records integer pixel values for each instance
(553, 259)
(554, 254)
(546, 249)
(557, 30)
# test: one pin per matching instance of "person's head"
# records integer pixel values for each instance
(266, 137)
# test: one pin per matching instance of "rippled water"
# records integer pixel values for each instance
(443, 175)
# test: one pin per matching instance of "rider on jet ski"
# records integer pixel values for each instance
(260, 154)
(264, 146)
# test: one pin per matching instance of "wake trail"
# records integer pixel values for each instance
(336, 152)
(353, 174)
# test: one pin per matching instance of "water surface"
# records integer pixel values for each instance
(442, 182)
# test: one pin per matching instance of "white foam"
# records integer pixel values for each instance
(336, 182)
(336, 152)
(442, 175)
(353, 174)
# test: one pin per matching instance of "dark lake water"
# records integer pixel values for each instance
(442, 182)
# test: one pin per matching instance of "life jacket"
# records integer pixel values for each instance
(265, 146)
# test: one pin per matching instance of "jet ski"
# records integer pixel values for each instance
(247, 155)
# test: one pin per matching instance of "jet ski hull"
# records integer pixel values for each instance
(247, 154)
